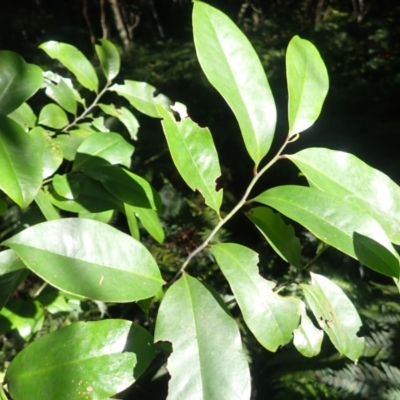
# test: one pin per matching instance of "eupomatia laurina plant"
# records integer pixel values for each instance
(347, 205)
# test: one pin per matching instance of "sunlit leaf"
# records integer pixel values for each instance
(20, 163)
(70, 142)
(336, 223)
(279, 235)
(46, 207)
(335, 314)
(194, 155)
(111, 266)
(24, 116)
(53, 116)
(67, 185)
(234, 69)
(18, 81)
(346, 177)
(207, 361)
(104, 216)
(86, 367)
(150, 222)
(132, 221)
(74, 61)
(308, 84)
(271, 317)
(109, 58)
(62, 94)
(307, 338)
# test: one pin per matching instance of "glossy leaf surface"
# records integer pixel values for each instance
(74, 61)
(202, 363)
(307, 338)
(109, 58)
(62, 94)
(279, 235)
(346, 177)
(53, 116)
(103, 148)
(308, 84)
(24, 116)
(234, 69)
(18, 81)
(78, 362)
(336, 223)
(20, 163)
(335, 314)
(111, 266)
(271, 317)
(194, 155)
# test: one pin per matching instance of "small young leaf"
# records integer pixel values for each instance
(109, 59)
(189, 317)
(53, 116)
(111, 266)
(124, 116)
(89, 371)
(74, 61)
(194, 155)
(349, 179)
(336, 223)
(132, 221)
(140, 95)
(308, 84)
(234, 69)
(307, 338)
(20, 163)
(24, 116)
(62, 94)
(103, 148)
(279, 235)
(18, 81)
(150, 222)
(271, 317)
(335, 314)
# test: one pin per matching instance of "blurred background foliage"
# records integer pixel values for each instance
(359, 41)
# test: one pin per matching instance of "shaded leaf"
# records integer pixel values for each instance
(112, 266)
(18, 81)
(348, 178)
(74, 61)
(68, 185)
(46, 207)
(279, 235)
(271, 317)
(203, 363)
(89, 371)
(103, 148)
(335, 314)
(234, 69)
(53, 116)
(132, 221)
(3, 207)
(308, 84)
(194, 155)
(151, 222)
(307, 338)
(20, 163)
(109, 58)
(336, 223)
(24, 116)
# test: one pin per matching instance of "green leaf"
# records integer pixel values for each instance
(70, 142)
(234, 69)
(279, 235)
(126, 186)
(20, 163)
(336, 223)
(346, 177)
(12, 271)
(271, 317)
(18, 81)
(85, 360)
(307, 338)
(26, 316)
(308, 84)
(199, 327)
(62, 94)
(151, 222)
(46, 207)
(98, 123)
(68, 185)
(124, 116)
(24, 116)
(74, 61)
(140, 95)
(132, 221)
(335, 314)
(103, 148)
(194, 155)
(53, 116)
(92, 198)
(109, 59)
(111, 266)
(3, 207)
(104, 216)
